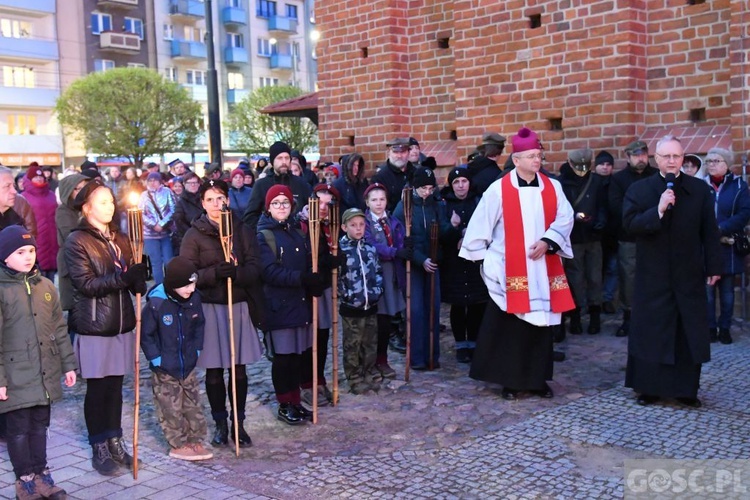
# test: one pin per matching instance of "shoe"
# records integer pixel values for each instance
(102, 461)
(545, 393)
(358, 388)
(26, 488)
(509, 394)
(595, 320)
(713, 335)
(184, 453)
(373, 377)
(576, 328)
(325, 396)
(558, 356)
(397, 343)
(419, 367)
(645, 399)
(119, 453)
(288, 414)
(242, 436)
(559, 333)
(608, 307)
(386, 371)
(724, 336)
(690, 402)
(306, 396)
(306, 414)
(201, 452)
(221, 434)
(625, 326)
(463, 356)
(46, 487)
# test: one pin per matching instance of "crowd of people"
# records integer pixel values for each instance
(520, 255)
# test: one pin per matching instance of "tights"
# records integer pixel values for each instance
(102, 408)
(306, 374)
(216, 391)
(286, 372)
(385, 328)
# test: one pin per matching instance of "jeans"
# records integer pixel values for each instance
(420, 317)
(160, 252)
(725, 287)
(27, 439)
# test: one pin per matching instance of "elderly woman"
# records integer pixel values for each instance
(103, 275)
(732, 207)
(203, 247)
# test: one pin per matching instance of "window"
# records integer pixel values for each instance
(15, 28)
(21, 125)
(170, 74)
(194, 34)
(235, 80)
(291, 11)
(168, 32)
(235, 40)
(103, 64)
(100, 22)
(265, 47)
(195, 77)
(269, 82)
(18, 76)
(266, 8)
(135, 26)
(296, 51)
(234, 3)
(136, 65)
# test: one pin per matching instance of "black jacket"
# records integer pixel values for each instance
(187, 209)
(300, 190)
(618, 185)
(483, 172)
(592, 203)
(394, 180)
(101, 300)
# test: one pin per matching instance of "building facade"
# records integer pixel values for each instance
(597, 74)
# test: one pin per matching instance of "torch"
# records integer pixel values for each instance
(406, 201)
(333, 223)
(135, 237)
(313, 205)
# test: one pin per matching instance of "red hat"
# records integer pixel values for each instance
(373, 186)
(525, 140)
(34, 170)
(334, 169)
(237, 171)
(328, 188)
(276, 190)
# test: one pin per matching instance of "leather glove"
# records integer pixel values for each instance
(139, 287)
(135, 274)
(405, 253)
(310, 280)
(225, 270)
(409, 242)
(334, 261)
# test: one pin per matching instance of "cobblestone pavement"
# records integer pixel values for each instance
(442, 435)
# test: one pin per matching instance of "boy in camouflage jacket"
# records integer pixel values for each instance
(360, 286)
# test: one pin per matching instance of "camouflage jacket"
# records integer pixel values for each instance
(361, 280)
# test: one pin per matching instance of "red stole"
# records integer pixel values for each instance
(516, 275)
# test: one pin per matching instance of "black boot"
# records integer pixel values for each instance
(595, 319)
(559, 333)
(243, 438)
(119, 453)
(724, 336)
(221, 434)
(102, 460)
(713, 334)
(625, 326)
(575, 321)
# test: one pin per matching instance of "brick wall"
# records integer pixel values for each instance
(608, 69)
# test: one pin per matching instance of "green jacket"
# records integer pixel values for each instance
(35, 348)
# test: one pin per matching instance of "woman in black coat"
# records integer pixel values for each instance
(103, 275)
(188, 208)
(461, 286)
(202, 246)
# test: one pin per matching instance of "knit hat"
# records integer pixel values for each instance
(350, 214)
(34, 170)
(413, 142)
(277, 148)
(456, 173)
(12, 238)
(91, 173)
(84, 194)
(237, 171)
(373, 186)
(180, 271)
(154, 176)
(334, 169)
(327, 188)
(88, 165)
(213, 184)
(604, 157)
(423, 177)
(525, 140)
(430, 162)
(276, 190)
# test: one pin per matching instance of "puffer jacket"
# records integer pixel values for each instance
(423, 213)
(43, 203)
(239, 199)
(187, 209)
(35, 349)
(164, 200)
(101, 300)
(361, 282)
(732, 209)
(66, 218)
(173, 331)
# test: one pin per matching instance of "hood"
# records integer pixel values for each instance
(157, 292)
(30, 188)
(67, 185)
(8, 275)
(481, 163)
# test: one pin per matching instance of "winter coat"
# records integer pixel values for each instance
(351, 189)
(22, 210)
(361, 280)
(101, 300)
(460, 279)
(593, 203)
(35, 349)
(394, 179)
(287, 302)
(188, 208)
(43, 203)
(173, 331)
(158, 209)
(674, 255)
(423, 213)
(202, 246)
(239, 199)
(66, 219)
(301, 192)
(618, 185)
(483, 172)
(732, 209)
(388, 253)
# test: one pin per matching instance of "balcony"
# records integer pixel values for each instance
(122, 43)
(236, 95)
(30, 144)
(235, 55)
(187, 9)
(281, 61)
(27, 49)
(21, 97)
(197, 92)
(182, 49)
(122, 4)
(234, 16)
(37, 6)
(282, 24)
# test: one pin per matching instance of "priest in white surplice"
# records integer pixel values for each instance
(521, 229)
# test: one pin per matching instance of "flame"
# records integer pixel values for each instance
(133, 198)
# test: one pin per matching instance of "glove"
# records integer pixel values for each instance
(156, 361)
(139, 287)
(405, 253)
(225, 270)
(135, 274)
(409, 242)
(310, 280)
(334, 261)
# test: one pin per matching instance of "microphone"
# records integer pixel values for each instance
(670, 177)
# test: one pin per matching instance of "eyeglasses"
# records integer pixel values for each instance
(670, 157)
(715, 161)
(537, 156)
(192, 183)
(281, 204)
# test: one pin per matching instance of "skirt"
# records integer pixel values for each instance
(292, 340)
(392, 301)
(216, 351)
(325, 310)
(100, 357)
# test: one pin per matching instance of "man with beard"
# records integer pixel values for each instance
(176, 169)
(637, 169)
(396, 172)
